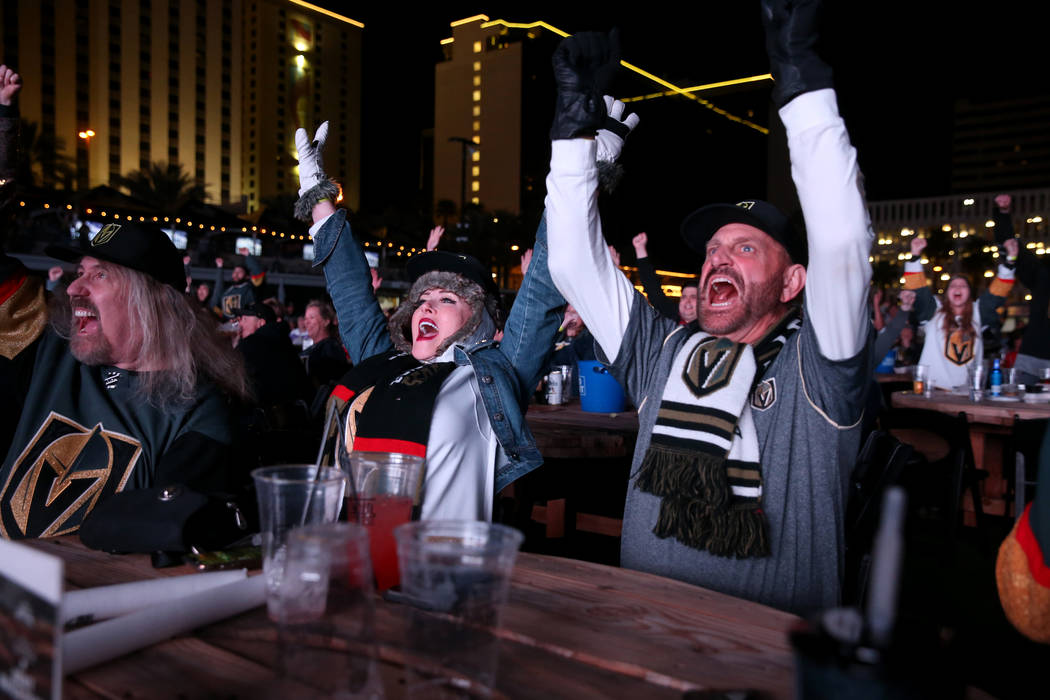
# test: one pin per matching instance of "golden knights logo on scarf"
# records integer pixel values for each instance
(703, 458)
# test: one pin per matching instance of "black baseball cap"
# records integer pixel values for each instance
(137, 246)
(703, 223)
(445, 261)
(259, 310)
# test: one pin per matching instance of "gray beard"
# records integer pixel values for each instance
(91, 351)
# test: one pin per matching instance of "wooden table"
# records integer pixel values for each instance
(570, 629)
(567, 431)
(990, 423)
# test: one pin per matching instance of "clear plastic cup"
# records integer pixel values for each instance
(457, 575)
(386, 489)
(290, 496)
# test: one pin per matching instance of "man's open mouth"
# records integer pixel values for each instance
(721, 291)
(427, 330)
(85, 319)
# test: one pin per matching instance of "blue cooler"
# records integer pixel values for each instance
(599, 392)
(886, 366)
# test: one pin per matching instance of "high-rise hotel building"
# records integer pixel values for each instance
(217, 85)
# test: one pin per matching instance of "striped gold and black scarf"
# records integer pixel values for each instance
(703, 458)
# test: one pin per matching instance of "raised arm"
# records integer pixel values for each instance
(915, 280)
(532, 325)
(828, 180)
(650, 282)
(580, 264)
(362, 325)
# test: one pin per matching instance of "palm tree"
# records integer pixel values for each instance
(164, 186)
(43, 148)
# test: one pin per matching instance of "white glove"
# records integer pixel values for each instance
(311, 169)
(610, 139)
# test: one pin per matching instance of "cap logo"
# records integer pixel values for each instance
(745, 204)
(105, 234)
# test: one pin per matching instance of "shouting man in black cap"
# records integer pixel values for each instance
(749, 418)
(115, 387)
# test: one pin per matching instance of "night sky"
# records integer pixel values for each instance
(898, 71)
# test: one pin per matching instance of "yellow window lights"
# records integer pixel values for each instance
(477, 81)
(477, 47)
(475, 156)
(477, 125)
(475, 200)
(476, 139)
(475, 185)
(476, 171)
(477, 95)
(477, 110)
(477, 66)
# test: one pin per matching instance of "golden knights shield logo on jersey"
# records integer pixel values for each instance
(60, 476)
(711, 365)
(764, 394)
(959, 346)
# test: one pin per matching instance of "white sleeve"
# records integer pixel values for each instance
(830, 189)
(579, 261)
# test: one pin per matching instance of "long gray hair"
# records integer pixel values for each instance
(171, 334)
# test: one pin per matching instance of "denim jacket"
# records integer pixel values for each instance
(507, 371)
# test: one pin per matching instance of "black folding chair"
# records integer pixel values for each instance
(1026, 439)
(942, 469)
(879, 466)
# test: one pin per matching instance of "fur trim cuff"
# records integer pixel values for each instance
(325, 189)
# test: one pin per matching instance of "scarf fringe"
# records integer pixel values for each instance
(741, 531)
(696, 507)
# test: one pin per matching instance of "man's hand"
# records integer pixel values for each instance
(186, 260)
(54, 273)
(615, 256)
(907, 299)
(10, 84)
(218, 263)
(435, 237)
(1012, 248)
(917, 246)
(640, 243)
(791, 34)
(615, 130)
(876, 298)
(526, 260)
(1003, 202)
(584, 65)
(311, 166)
(376, 279)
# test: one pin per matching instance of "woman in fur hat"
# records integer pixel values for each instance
(432, 381)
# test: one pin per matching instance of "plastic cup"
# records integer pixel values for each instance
(327, 614)
(289, 496)
(456, 574)
(386, 489)
(920, 379)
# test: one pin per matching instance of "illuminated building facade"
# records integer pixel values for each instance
(217, 85)
(493, 80)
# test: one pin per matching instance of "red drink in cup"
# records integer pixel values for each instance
(381, 515)
(386, 487)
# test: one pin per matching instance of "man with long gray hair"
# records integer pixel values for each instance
(118, 385)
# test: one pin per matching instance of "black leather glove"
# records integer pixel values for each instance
(584, 65)
(791, 33)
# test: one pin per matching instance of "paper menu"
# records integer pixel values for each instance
(30, 644)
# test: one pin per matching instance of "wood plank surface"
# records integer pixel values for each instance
(570, 629)
(987, 412)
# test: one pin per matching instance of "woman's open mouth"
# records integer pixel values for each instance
(426, 330)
